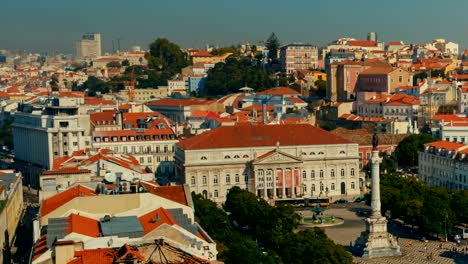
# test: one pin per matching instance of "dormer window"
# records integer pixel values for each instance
(227, 157)
(236, 157)
(245, 156)
(203, 158)
(161, 126)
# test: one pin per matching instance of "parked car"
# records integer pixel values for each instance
(341, 200)
(360, 199)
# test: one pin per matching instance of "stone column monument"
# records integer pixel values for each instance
(379, 243)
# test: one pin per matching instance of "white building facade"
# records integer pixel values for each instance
(274, 162)
(444, 164)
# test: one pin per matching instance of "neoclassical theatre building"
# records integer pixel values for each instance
(272, 161)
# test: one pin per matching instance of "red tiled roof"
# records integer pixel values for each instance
(202, 54)
(135, 133)
(448, 118)
(377, 71)
(71, 94)
(64, 197)
(176, 102)
(175, 193)
(109, 59)
(362, 43)
(96, 101)
(395, 43)
(103, 118)
(259, 108)
(83, 225)
(13, 89)
(280, 91)
(403, 99)
(296, 100)
(4, 95)
(94, 256)
(447, 145)
(261, 136)
(458, 76)
(149, 221)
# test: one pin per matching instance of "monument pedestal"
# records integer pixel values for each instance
(379, 243)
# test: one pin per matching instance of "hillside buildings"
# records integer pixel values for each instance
(272, 161)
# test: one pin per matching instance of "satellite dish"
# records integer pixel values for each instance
(110, 177)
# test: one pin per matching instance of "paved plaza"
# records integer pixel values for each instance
(413, 251)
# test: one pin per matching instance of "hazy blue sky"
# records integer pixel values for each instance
(49, 25)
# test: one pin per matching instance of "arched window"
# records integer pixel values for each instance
(313, 187)
(304, 175)
(215, 179)
(203, 158)
(215, 193)
(245, 156)
(312, 153)
(332, 187)
(321, 173)
(304, 188)
(342, 172)
(320, 153)
(312, 174)
(236, 157)
(204, 180)
(352, 171)
(321, 187)
(227, 157)
(303, 154)
(236, 178)
(353, 186)
(192, 180)
(342, 152)
(332, 173)
(228, 179)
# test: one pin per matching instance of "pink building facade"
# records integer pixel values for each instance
(294, 57)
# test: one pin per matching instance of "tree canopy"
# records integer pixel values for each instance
(429, 208)
(408, 149)
(166, 56)
(228, 77)
(272, 44)
(249, 230)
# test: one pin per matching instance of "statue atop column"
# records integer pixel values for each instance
(378, 242)
(375, 141)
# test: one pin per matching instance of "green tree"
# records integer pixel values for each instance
(232, 49)
(272, 44)
(126, 63)
(94, 85)
(313, 246)
(228, 77)
(321, 87)
(408, 149)
(113, 64)
(6, 134)
(166, 56)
